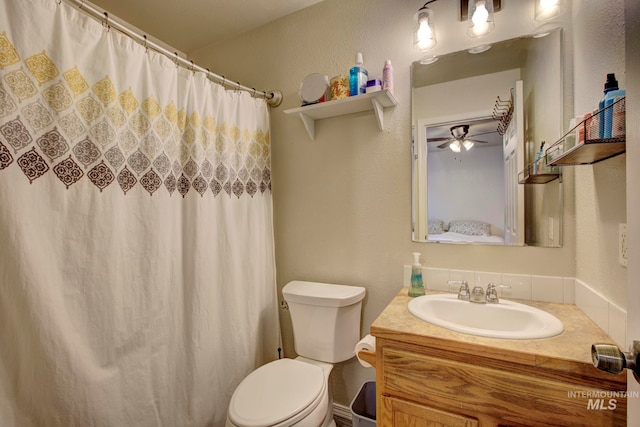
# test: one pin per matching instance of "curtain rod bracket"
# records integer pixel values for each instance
(276, 98)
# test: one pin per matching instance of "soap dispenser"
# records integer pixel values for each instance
(417, 285)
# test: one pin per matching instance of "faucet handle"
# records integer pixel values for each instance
(492, 293)
(463, 292)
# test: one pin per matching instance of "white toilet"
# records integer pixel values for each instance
(295, 392)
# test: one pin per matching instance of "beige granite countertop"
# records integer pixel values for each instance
(572, 347)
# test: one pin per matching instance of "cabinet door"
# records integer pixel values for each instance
(400, 413)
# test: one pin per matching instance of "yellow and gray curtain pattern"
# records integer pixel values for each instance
(137, 265)
(79, 126)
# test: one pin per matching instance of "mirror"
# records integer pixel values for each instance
(494, 109)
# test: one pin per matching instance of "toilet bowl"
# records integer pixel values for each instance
(296, 392)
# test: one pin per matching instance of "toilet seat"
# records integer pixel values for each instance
(279, 393)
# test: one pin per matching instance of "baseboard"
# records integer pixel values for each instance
(341, 411)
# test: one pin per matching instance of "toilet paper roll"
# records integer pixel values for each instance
(366, 343)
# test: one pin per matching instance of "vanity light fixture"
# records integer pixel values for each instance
(425, 30)
(481, 22)
(548, 9)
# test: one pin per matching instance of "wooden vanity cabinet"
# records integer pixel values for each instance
(445, 384)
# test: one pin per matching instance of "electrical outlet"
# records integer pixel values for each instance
(622, 244)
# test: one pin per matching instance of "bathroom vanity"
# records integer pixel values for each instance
(431, 376)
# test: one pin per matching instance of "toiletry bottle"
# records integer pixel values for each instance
(358, 77)
(611, 91)
(417, 285)
(387, 76)
(536, 163)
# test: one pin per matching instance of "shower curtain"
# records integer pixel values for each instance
(137, 279)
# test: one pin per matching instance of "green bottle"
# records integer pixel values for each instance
(417, 285)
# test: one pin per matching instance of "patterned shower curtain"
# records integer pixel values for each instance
(137, 280)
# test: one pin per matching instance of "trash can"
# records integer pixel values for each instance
(363, 407)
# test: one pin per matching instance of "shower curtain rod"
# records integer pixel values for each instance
(273, 98)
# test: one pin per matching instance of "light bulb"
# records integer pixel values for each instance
(467, 144)
(479, 18)
(455, 146)
(481, 21)
(425, 35)
(547, 9)
(481, 14)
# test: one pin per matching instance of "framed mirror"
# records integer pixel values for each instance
(479, 121)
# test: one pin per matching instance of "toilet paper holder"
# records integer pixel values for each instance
(609, 358)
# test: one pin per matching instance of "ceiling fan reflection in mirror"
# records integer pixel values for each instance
(460, 138)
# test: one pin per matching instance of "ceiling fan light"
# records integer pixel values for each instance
(467, 144)
(455, 146)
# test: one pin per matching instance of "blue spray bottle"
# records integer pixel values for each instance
(358, 77)
(611, 92)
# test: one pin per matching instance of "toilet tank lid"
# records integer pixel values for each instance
(322, 294)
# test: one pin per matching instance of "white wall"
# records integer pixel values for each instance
(467, 186)
(462, 96)
(342, 203)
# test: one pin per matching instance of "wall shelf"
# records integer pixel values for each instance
(542, 174)
(589, 152)
(376, 101)
(565, 152)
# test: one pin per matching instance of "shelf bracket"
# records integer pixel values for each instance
(309, 125)
(379, 110)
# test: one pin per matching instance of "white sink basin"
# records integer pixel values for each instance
(506, 319)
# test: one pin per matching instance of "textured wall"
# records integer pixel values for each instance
(342, 202)
(600, 188)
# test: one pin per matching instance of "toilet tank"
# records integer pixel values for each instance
(325, 318)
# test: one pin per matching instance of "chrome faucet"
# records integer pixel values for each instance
(477, 295)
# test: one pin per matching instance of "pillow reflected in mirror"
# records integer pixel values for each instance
(470, 228)
(436, 226)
